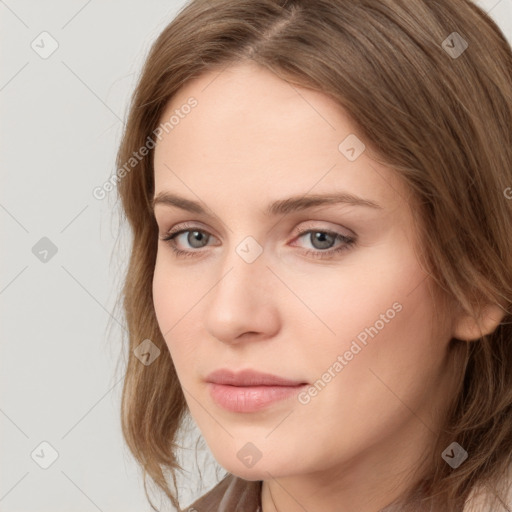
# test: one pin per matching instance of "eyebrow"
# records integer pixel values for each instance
(279, 207)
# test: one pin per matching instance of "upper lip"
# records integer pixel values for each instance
(249, 378)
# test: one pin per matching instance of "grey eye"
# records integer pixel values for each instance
(323, 239)
(197, 237)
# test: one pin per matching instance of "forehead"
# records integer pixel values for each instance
(246, 84)
(255, 108)
(251, 126)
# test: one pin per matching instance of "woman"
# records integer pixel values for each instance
(321, 270)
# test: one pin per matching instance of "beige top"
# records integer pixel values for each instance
(234, 494)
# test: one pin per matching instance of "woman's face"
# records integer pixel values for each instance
(271, 282)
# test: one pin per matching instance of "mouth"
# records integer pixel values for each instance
(250, 391)
(250, 378)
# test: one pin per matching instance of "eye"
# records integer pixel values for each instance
(320, 239)
(192, 236)
(323, 241)
(196, 238)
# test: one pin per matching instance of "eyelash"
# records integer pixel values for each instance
(348, 242)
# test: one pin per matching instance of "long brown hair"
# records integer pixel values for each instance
(428, 84)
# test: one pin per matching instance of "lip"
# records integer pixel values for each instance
(248, 390)
(249, 378)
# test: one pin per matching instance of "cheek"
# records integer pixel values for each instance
(173, 297)
(377, 315)
(164, 297)
(372, 287)
(175, 290)
(389, 351)
(368, 393)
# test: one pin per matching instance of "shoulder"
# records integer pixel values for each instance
(231, 494)
(479, 496)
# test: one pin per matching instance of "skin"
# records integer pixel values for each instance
(357, 443)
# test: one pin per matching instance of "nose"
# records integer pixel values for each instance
(243, 304)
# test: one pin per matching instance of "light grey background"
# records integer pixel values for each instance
(61, 121)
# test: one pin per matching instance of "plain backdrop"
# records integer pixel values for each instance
(68, 68)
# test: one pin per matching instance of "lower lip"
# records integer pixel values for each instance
(250, 398)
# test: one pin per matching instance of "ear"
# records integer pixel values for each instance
(468, 328)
